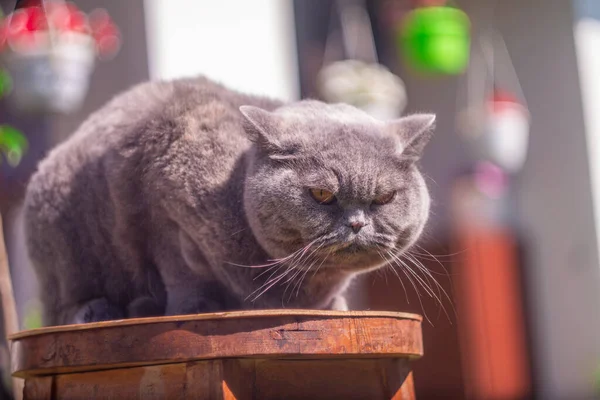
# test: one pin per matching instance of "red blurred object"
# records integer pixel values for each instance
(105, 32)
(504, 96)
(492, 325)
(429, 3)
(20, 27)
(23, 25)
(66, 17)
(35, 19)
(503, 100)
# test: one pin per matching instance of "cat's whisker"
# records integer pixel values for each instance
(240, 231)
(425, 285)
(267, 281)
(441, 290)
(322, 262)
(303, 276)
(289, 282)
(270, 283)
(253, 266)
(279, 260)
(298, 274)
(418, 293)
(418, 258)
(290, 258)
(426, 273)
(429, 292)
(314, 273)
(294, 260)
(278, 266)
(396, 273)
(427, 253)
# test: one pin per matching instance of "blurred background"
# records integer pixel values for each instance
(514, 167)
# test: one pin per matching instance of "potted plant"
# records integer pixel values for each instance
(49, 47)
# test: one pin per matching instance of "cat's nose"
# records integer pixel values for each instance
(356, 226)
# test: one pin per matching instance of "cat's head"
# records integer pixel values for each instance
(334, 185)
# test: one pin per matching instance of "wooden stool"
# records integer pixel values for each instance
(269, 354)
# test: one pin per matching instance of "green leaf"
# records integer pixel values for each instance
(5, 82)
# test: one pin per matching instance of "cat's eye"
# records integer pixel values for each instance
(322, 196)
(384, 198)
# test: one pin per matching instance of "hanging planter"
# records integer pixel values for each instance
(435, 39)
(496, 121)
(369, 87)
(360, 80)
(50, 50)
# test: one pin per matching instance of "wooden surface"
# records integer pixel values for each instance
(239, 355)
(235, 379)
(262, 334)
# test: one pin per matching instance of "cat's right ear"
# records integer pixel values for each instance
(261, 127)
(414, 131)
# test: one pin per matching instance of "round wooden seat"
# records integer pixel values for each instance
(267, 354)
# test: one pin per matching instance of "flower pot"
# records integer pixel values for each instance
(498, 131)
(370, 87)
(436, 40)
(52, 76)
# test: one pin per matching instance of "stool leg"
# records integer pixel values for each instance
(38, 388)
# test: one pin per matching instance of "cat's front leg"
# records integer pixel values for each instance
(183, 301)
(190, 287)
(95, 310)
(339, 303)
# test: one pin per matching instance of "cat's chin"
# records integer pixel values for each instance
(354, 258)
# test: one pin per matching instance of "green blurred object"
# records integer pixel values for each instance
(436, 40)
(5, 82)
(33, 316)
(13, 144)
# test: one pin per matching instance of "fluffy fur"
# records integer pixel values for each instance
(184, 197)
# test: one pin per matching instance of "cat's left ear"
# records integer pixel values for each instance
(414, 131)
(262, 127)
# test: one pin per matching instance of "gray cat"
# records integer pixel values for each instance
(186, 197)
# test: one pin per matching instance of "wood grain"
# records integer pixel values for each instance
(237, 379)
(216, 315)
(168, 340)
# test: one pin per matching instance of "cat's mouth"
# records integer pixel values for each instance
(349, 248)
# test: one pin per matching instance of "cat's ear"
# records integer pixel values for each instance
(414, 131)
(261, 127)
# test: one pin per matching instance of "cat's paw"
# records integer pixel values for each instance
(97, 310)
(144, 306)
(339, 303)
(197, 306)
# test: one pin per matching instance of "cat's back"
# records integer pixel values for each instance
(137, 127)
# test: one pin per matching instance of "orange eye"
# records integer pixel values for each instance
(322, 196)
(384, 198)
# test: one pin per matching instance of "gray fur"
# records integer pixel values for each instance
(165, 198)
